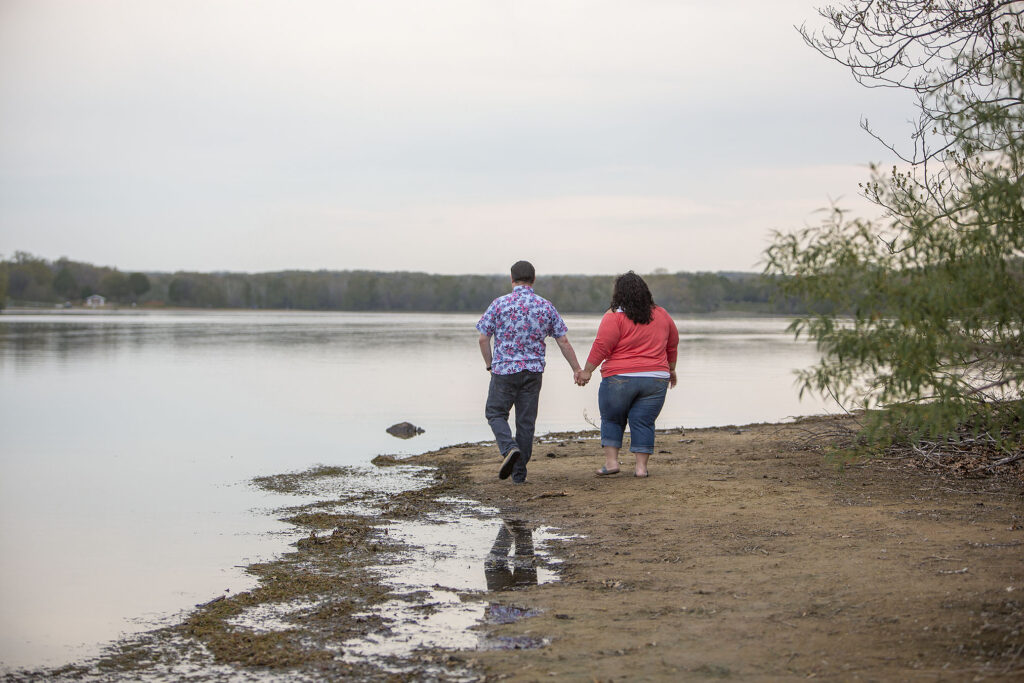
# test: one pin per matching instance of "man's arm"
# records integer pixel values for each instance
(485, 349)
(568, 352)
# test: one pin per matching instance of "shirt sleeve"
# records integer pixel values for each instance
(607, 339)
(486, 324)
(558, 327)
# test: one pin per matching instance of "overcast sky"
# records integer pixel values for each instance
(428, 135)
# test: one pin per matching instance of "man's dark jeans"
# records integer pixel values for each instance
(521, 390)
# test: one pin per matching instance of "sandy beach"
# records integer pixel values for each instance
(748, 553)
(745, 555)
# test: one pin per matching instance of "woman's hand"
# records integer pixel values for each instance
(582, 377)
(672, 379)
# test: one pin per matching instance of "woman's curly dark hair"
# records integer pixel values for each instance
(633, 297)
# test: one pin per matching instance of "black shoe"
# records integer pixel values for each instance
(510, 461)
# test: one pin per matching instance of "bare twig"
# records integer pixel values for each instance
(1007, 461)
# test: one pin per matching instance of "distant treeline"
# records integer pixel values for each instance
(29, 280)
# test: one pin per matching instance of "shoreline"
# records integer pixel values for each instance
(50, 309)
(745, 554)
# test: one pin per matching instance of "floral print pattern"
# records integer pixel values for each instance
(520, 322)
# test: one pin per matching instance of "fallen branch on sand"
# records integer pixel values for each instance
(549, 494)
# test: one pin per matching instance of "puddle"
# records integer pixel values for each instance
(455, 551)
(442, 581)
(270, 617)
(513, 643)
(360, 491)
(508, 614)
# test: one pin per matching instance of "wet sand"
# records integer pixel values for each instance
(746, 555)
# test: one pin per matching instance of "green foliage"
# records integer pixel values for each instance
(29, 278)
(197, 290)
(922, 313)
(138, 284)
(680, 293)
(65, 284)
(114, 285)
(179, 291)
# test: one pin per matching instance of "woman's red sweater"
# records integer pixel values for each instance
(623, 346)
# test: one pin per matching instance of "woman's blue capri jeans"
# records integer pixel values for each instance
(633, 400)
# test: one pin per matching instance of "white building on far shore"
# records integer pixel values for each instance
(96, 301)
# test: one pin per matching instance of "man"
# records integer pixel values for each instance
(519, 323)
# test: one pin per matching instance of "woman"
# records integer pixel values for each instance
(636, 342)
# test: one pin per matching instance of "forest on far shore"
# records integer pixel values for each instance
(32, 281)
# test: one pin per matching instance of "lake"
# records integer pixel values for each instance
(128, 440)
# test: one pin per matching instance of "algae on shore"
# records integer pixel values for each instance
(319, 594)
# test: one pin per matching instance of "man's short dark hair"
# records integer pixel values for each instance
(522, 271)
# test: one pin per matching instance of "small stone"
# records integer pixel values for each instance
(404, 430)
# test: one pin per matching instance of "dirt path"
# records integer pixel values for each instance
(743, 556)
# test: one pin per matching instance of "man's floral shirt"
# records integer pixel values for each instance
(520, 322)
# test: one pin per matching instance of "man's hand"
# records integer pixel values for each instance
(582, 377)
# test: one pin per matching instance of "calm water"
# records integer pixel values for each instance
(127, 441)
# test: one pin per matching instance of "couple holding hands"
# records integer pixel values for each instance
(635, 348)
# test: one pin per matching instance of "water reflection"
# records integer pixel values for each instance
(71, 336)
(500, 572)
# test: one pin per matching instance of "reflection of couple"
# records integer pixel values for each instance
(496, 567)
(636, 343)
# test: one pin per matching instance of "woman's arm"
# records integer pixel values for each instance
(607, 338)
(672, 349)
(608, 335)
